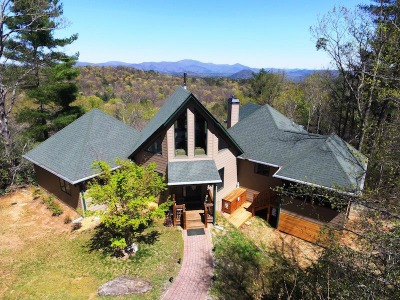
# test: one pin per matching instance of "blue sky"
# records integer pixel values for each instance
(254, 33)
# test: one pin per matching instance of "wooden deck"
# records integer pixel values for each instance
(239, 216)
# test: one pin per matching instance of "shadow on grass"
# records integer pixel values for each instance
(101, 240)
(148, 238)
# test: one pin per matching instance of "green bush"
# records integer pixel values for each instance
(53, 206)
(37, 193)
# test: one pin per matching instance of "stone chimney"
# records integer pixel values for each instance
(233, 111)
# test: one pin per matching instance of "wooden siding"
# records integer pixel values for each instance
(314, 213)
(227, 160)
(190, 130)
(251, 180)
(298, 227)
(51, 183)
(170, 143)
(145, 158)
(223, 159)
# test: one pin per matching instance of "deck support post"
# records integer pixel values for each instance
(215, 204)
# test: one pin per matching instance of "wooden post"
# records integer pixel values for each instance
(184, 219)
(215, 204)
(253, 205)
(205, 215)
(174, 214)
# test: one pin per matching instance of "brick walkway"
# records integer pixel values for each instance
(194, 278)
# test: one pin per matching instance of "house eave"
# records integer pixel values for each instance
(258, 162)
(73, 182)
(49, 170)
(194, 182)
(315, 185)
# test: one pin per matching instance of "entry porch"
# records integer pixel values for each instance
(193, 187)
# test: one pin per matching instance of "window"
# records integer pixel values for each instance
(262, 169)
(156, 147)
(181, 135)
(222, 144)
(65, 186)
(220, 186)
(200, 134)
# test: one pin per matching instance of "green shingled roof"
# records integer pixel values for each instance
(247, 109)
(326, 161)
(170, 107)
(95, 136)
(168, 111)
(192, 172)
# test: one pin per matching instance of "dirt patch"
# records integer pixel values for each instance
(19, 211)
(266, 237)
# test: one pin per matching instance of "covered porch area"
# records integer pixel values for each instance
(192, 185)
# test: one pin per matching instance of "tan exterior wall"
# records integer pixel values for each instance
(248, 178)
(171, 143)
(227, 160)
(145, 158)
(190, 130)
(51, 183)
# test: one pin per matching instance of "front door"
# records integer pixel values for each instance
(193, 199)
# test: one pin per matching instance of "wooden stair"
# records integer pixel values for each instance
(239, 216)
(194, 219)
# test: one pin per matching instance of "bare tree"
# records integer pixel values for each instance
(355, 46)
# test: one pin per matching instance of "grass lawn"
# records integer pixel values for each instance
(40, 258)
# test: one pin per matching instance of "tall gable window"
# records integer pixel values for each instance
(156, 147)
(200, 131)
(65, 186)
(181, 135)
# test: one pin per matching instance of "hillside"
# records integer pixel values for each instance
(135, 95)
(196, 68)
(137, 85)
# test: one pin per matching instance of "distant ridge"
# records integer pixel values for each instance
(199, 69)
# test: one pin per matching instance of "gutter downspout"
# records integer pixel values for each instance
(83, 202)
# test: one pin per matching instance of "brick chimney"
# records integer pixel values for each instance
(233, 111)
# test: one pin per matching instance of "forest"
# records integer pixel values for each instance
(41, 91)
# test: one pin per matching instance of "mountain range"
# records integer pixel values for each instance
(196, 68)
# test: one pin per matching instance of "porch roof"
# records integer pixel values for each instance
(192, 172)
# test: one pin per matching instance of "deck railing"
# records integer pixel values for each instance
(210, 198)
(262, 200)
(208, 213)
(179, 214)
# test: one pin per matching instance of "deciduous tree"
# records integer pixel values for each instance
(131, 196)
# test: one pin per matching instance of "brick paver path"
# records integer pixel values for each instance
(194, 278)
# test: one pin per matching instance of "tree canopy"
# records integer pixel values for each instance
(131, 195)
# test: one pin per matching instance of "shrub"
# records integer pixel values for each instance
(53, 206)
(37, 193)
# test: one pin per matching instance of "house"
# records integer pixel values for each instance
(204, 162)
